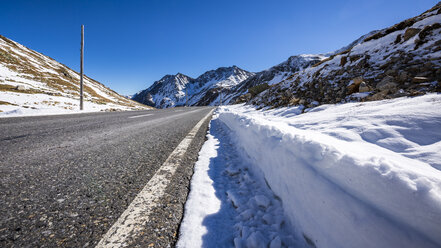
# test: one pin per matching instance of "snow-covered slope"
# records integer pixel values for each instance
(171, 90)
(349, 175)
(402, 60)
(32, 83)
(354, 43)
(166, 92)
(284, 70)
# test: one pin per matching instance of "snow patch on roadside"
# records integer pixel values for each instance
(22, 104)
(229, 204)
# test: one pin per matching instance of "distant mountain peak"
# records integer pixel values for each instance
(180, 75)
(204, 90)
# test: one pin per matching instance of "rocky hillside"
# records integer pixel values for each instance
(171, 90)
(402, 60)
(31, 81)
(275, 74)
(262, 80)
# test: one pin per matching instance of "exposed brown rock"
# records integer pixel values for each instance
(400, 26)
(294, 101)
(363, 87)
(379, 96)
(398, 39)
(425, 32)
(354, 86)
(386, 83)
(410, 32)
(343, 60)
(243, 98)
(354, 58)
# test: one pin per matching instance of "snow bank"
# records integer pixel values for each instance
(228, 205)
(351, 175)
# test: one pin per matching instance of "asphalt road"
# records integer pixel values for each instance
(64, 180)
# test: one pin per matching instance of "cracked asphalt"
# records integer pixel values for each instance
(64, 180)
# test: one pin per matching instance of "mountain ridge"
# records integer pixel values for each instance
(171, 90)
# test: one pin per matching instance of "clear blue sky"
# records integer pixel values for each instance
(131, 44)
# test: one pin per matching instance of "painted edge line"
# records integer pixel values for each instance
(132, 221)
(137, 116)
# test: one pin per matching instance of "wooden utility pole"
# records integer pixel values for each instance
(220, 95)
(186, 97)
(81, 67)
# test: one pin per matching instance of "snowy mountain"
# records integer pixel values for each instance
(171, 90)
(275, 74)
(402, 60)
(165, 92)
(284, 70)
(31, 82)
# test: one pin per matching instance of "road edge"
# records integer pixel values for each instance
(131, 222)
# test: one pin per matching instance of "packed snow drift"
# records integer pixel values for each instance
(348, 175)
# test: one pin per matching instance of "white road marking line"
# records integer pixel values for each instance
(130, 224)
(137, 116)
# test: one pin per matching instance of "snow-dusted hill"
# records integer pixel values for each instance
(171, 90)
(32, 83)
(275, 74)
(402, 60)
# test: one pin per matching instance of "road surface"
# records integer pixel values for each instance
(66, 179)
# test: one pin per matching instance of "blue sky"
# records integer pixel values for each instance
(131, 44)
